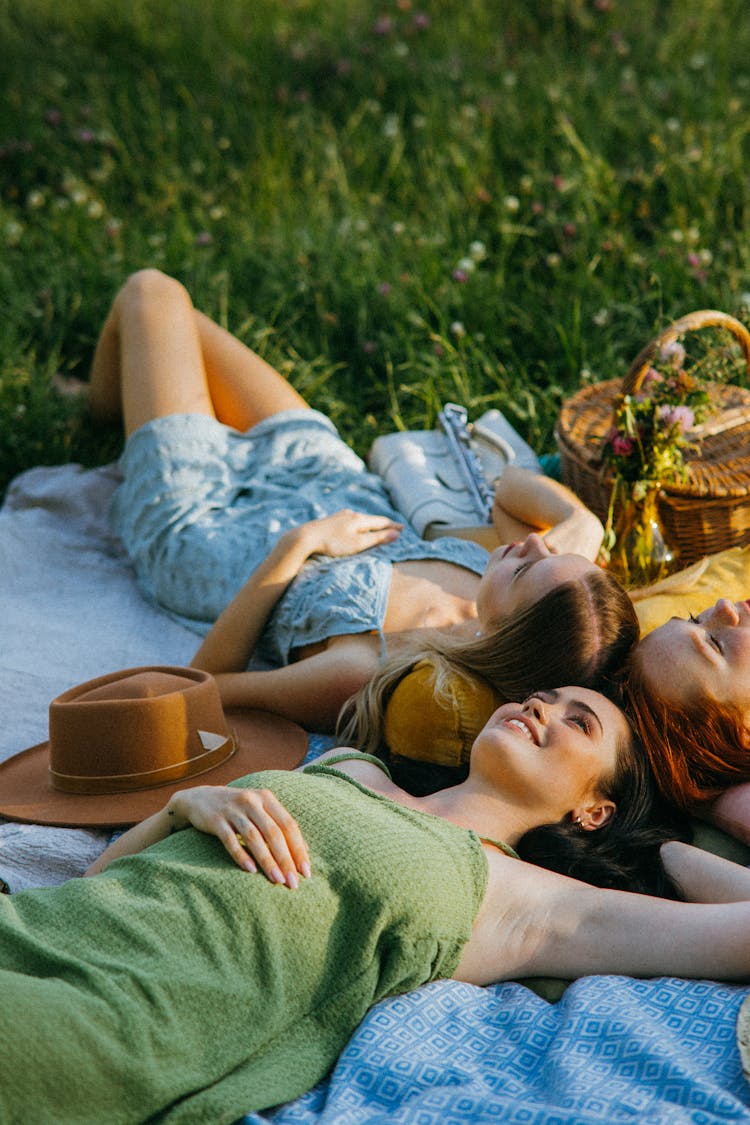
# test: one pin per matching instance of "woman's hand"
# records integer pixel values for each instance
(252, 824)
(347, 533)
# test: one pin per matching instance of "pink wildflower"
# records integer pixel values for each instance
(622, 445)
(460, 275)
(681, 416)
(673, 353)
(651, 378)
(383, 25)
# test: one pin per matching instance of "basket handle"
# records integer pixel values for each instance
(703, 318)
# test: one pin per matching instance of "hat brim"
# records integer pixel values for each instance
(264, 741)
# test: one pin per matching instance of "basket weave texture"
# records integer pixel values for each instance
(710, 510)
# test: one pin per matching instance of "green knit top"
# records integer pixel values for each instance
(177, 987)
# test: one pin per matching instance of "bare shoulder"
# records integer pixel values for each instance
(366, 772)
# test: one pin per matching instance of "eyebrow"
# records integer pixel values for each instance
(590, 711)
(553, 695)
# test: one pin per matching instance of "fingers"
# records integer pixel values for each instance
(348, 532)
(262, 834)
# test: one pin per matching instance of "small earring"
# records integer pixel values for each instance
(578, 822)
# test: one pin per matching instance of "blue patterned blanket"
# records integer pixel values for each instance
(612, 1049)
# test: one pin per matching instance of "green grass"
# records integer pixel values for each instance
(396, 203)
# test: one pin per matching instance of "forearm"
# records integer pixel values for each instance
(536, 501)
(311, 691)
(232, 640)
(140, 836)
(704, 877)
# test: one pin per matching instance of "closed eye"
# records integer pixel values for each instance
(520, 570)
(583, 722)
(714, 641)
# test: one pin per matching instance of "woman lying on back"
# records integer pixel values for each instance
(177, 985)
(687, 691)
(241, 503)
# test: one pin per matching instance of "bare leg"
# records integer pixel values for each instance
(157, 355)
(149, 354)
(244, 388)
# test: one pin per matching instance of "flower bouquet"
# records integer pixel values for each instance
(643, 451)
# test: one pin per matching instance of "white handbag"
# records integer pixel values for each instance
(442, 479)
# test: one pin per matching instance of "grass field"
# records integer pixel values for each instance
(397, 203)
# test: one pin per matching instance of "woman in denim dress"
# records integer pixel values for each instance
(247, 516)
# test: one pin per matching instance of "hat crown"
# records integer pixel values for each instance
(136, 729)
(143, 683)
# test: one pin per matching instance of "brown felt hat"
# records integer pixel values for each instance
(119, 746)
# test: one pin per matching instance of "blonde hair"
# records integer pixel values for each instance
(578, 633)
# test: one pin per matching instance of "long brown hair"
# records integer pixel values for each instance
(579, 633)
(697, 749)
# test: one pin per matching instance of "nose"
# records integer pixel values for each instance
(537, 707)
(725, 611)
(533, 547)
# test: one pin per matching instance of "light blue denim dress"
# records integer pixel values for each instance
(201, 505)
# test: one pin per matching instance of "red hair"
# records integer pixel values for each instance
(696, 750)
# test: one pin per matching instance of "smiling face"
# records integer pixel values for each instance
(705, 657)
(552, 752)
(520, 574)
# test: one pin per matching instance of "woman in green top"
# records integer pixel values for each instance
(178, 986)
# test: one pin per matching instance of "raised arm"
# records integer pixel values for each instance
(527, 501)
(537, 923)
(231, 642)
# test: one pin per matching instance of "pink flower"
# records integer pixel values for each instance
(651, 378)
(369, 346)
(672, 353)
(204, 238)
(421, 21)
(622, 445)
(681, 416)
(460, 275)
(383, 25)
(384, 288)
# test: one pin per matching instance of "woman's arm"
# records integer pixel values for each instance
(232, 640)
(311, 691)
(527, 501)
(534, 922)
(249, 822)
(704, 877)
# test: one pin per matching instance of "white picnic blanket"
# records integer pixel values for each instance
(69, 611)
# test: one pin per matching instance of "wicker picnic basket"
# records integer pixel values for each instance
(711, 509)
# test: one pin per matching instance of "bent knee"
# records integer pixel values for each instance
(146, 286)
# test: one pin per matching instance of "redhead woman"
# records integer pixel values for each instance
(245, 513)
(687, 689)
